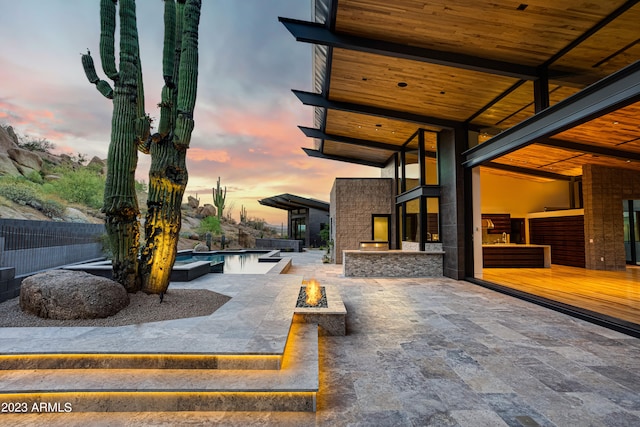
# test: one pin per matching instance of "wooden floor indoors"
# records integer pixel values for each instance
(612, 293)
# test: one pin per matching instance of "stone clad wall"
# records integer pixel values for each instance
(353, 201)
(392, 264)
(603, 190)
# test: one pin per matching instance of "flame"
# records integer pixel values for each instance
(313, 292)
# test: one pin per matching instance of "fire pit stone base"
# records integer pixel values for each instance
(331, 319)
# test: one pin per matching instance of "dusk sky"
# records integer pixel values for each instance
(246, 116)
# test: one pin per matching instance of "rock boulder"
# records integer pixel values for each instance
(8, 138)
(7, 167)
(25, 158)
(205, 211)
(65, 294)
(193, 202)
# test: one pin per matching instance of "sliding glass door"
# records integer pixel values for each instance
(631, 212)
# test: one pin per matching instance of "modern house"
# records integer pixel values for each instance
(305, 217)
(506, 133)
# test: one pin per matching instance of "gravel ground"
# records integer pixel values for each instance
(142, 308)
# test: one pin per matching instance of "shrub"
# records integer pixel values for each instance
(52, 208)
(79, 186)
(42, 144)
(26, 193)
(35, 177)
(210, 224)
(18, 190)
(256, 223)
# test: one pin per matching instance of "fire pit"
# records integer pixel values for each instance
(312, 295)
(321, 305)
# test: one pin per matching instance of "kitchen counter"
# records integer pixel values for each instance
(511, 255)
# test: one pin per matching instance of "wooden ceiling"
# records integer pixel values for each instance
(577, 42)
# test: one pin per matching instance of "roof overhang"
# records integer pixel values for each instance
(291, 202)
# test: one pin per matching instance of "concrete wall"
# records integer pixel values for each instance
(604, 189)
(352, 202)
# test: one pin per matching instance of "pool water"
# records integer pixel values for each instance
(245, 263)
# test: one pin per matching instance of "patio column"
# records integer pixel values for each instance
(451, 144)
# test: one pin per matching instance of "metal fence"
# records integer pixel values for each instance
(31, 246)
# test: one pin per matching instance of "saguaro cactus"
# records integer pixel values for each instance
(127, 127)
(219, 197)
(131, 130)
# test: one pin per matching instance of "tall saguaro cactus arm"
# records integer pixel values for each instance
(188, 76)
(120, 203)
(168, 172)
(107, 37)
(90, 70)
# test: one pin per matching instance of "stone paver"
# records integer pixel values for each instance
(439, 352)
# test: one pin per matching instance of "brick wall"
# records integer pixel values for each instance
(604, 189)
(353, 201)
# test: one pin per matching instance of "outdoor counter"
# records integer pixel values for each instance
(392, 263)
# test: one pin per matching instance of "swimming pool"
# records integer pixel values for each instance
(234, 262)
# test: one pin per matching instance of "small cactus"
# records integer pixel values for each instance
(243, 215)
(219, 197)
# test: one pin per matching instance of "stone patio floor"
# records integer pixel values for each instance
(439, 352)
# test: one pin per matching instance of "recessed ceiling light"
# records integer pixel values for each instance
(616, 122)
(628, 161)
(402, 84)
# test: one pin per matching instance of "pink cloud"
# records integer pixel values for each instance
(202, 154)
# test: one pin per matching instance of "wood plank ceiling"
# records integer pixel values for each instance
(578, 42)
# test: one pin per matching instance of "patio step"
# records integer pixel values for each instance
(291, 388)
(248, 361)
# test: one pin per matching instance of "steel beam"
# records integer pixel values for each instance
(528, 171)
(318, 100)
(590, 149)
(315, 153)
(609, 94)
(310, 32)
(317, 133)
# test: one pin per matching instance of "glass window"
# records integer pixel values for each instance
(412, 169)
(433, 219)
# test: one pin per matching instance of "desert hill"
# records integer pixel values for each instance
(18, 162)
